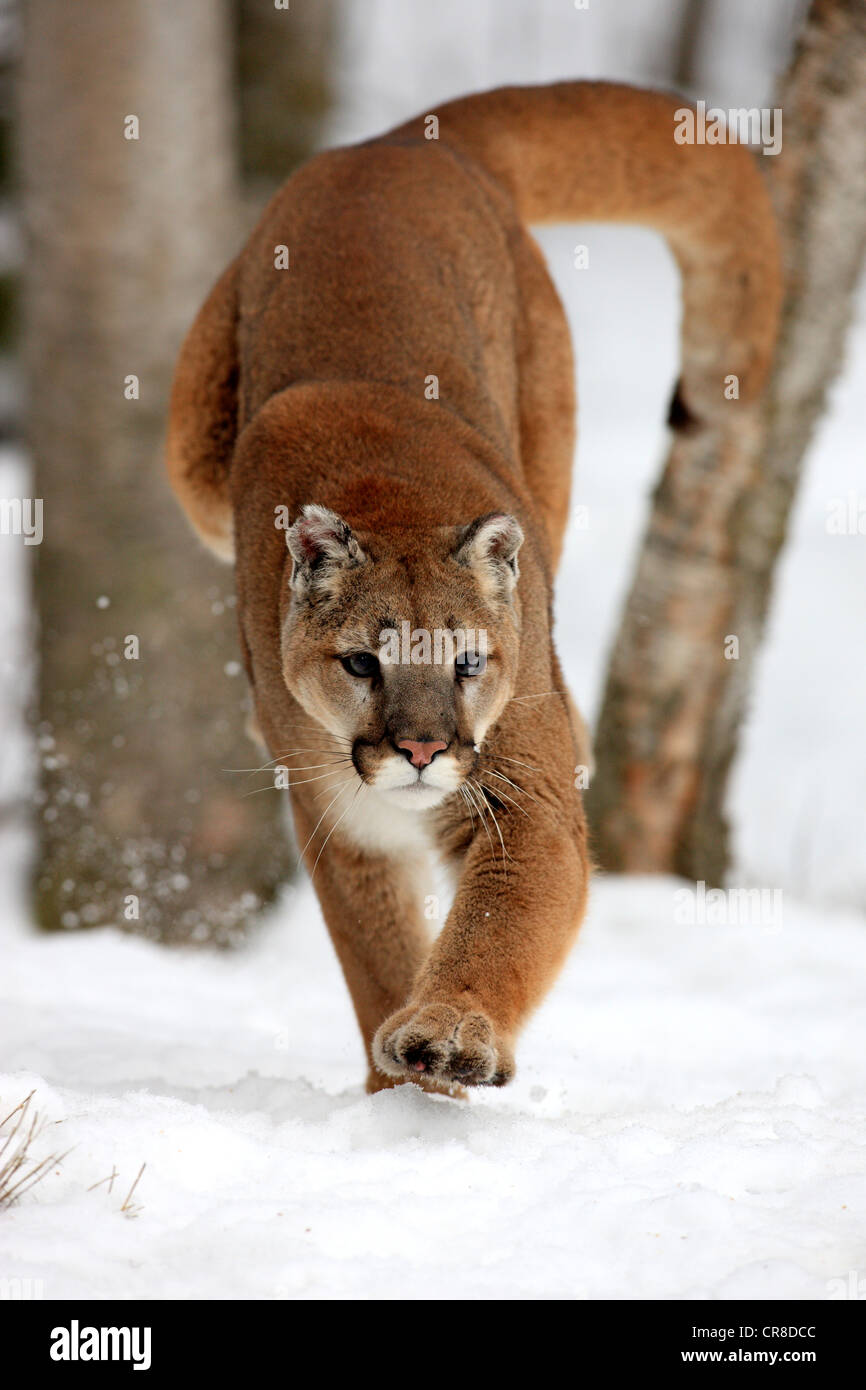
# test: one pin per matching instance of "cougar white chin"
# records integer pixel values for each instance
(416, 796)
(393, 821)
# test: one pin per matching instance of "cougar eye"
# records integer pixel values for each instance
(470, 664)
(360, 664)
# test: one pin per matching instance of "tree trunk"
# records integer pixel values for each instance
(676, 693)
(284, 59)
(692, 16)
(140, 687)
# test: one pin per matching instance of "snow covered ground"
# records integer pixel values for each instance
(686, 1122)
(687, 1119)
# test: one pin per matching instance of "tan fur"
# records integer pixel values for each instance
(306, 391)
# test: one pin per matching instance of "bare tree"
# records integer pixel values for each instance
(674, 700)
(127, 158)
(284, 58)
(692, 16)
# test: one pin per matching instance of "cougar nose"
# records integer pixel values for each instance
(420, 754)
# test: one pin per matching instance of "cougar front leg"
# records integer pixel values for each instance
(517, 909)
(372, 904)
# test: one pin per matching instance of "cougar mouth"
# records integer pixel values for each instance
(417, 788)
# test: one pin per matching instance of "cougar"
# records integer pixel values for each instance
(373, 417)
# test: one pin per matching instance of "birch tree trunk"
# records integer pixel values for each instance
(127, 158)
(675, 693)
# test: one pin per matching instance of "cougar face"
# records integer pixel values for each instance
(403, 646)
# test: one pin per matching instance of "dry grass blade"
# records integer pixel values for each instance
(19, 1170)
(109, 1179)
(130, 1208)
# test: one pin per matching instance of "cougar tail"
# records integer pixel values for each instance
(203, 417)
(598, 151)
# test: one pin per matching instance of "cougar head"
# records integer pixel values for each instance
(403, 645)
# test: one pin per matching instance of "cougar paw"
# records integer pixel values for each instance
(438, 1042)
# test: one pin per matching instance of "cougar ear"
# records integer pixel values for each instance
(321, 544)
(489, 545)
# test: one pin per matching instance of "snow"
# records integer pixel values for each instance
(687, 1117)
(686, 1121)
